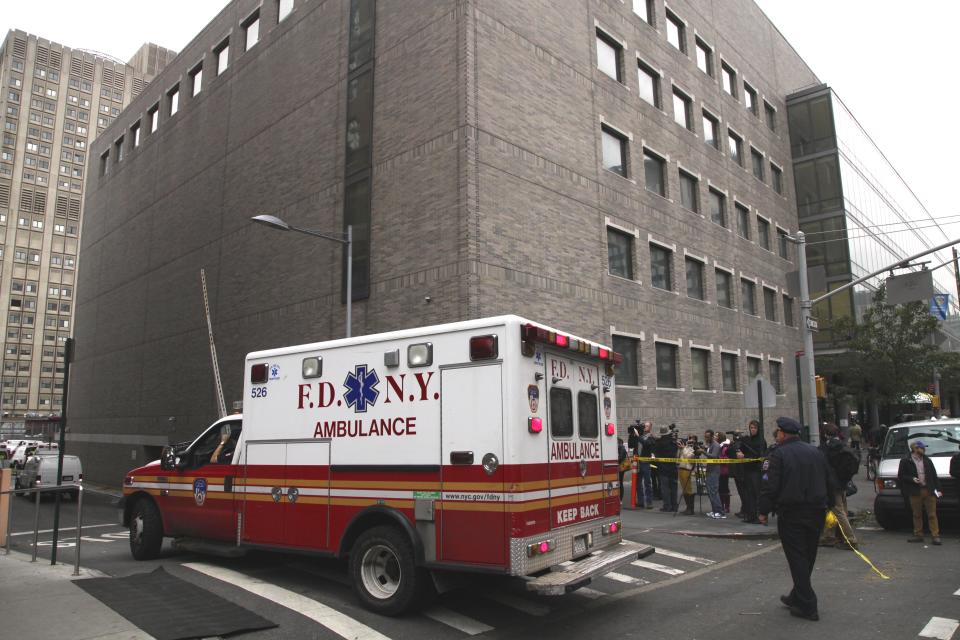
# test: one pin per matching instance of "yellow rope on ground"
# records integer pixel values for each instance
(831, 522)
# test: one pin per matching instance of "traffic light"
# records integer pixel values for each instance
(821, 387)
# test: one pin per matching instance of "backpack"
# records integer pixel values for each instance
(845, 463)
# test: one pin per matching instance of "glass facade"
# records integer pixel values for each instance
(857, 212)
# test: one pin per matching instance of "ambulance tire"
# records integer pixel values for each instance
(146, 530)
(384, 572)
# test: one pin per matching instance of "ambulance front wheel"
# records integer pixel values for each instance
(385, 576)
(146, 530)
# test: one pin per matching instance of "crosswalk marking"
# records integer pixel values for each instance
(62, 529)
(520, 604)
(940, 628)
(957, 592)
(662, 568)
(341, 624)
(587, 592)
(682, 556)
(458, 621)
(619, 577)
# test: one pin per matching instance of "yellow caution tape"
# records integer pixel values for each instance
(831, 522)
(699, 460)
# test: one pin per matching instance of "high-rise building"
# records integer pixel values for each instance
(616, 169)
(55, 101)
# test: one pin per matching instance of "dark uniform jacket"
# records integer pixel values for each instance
(796, 475)
(753, 447)
(646, 445)
(908, 472)
(666, 447)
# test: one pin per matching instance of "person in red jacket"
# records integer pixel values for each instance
(920, 485)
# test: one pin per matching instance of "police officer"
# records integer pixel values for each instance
(797, 483)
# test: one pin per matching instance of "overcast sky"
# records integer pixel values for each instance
(894, 64)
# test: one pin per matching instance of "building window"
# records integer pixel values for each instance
(649, 84)
(784, 244)
(661, 269)
(718, 207)
(728, 370)
(135, 134)
(763, 233)
(735, 145)
(609, 56)
(776, 376)
(729, 79)
(644, 9)
(251, 30)
(153, 115)
(771, 115)
(694, 279)
(753, 369)
(711, 130)
(654, 173)
(118, 149)
(196, 80)
(756, 159)
(743, 220)
(681, 109)
(284, 7)
(222, 54)
(689, 186)
(676, 32)
(788, 310)
(628, 373)
(776, 178)
(769, 304)
(750, 99)
(174, 100)
(667, 366)
(748, 292)
(620, 253)
(105, 163)
(704, 57)
(700, 369)
(614, 151)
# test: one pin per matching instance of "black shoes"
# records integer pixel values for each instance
(797, 612)
(786, 601)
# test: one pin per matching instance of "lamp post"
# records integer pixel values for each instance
(343, 238)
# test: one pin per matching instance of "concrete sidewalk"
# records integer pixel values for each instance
(40, 601)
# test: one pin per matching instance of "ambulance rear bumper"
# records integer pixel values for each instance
(564, 579)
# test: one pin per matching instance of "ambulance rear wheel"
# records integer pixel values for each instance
(385, 576)
(146, 530)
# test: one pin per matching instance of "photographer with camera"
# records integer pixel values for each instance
(752, 446)
(666, 447)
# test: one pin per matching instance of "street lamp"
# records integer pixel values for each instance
(343, 238)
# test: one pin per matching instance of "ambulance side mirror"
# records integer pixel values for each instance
(167, 459)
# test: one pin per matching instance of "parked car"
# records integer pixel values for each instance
(942, 438)
(41, 471)
(29, 448)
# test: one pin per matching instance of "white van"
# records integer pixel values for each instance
(41, 471)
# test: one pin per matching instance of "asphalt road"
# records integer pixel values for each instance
(693, 587)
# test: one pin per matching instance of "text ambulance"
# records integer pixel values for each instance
(487, 445)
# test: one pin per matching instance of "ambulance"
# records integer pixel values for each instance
(481, 446)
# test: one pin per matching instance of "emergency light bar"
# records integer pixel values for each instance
(533, 333)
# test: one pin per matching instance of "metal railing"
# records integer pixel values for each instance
(36, 516)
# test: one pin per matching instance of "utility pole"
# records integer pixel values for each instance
(956, 274)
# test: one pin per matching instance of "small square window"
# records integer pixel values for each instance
(750, 99)
(756, 159)
(783, 243)
(694, 270)
(743, 220)
(681, 109)
(153, 115)
(654, 175)
(135, 134)
(753, 368)
(748, 293)
(711, 130)
(667, 377)
(763, 233)
(676, 32)
(284, 7)
(620, 253)
(609, 56)
(628, 372)
(729, 78)
(661, 267)
(729, 371)
(614, 151)
(644, 9)
(689, 188)
(196, 80)
(776, 377)
(649, 84)
(700, 369)
(718, 207)
(776, 178)
(788, 311)
(118, 149)
(735, 145)
(771, 115)
(770, 304)
(105, 163)
(251, 29)
(173, 99)
(222, 54)
(704, 57)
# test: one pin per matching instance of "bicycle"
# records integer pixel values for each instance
(873, 461)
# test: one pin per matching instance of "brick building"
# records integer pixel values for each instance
(612, 168)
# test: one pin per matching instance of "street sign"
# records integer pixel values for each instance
(812, 324)
(751, 399)
(940, 305)
(908, 287)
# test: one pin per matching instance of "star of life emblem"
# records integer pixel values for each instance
(361, 386)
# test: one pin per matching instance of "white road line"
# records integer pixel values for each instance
(341, 624)
(459, 622)
(619, 577)
(957, 592)
(940, 628)
(62, 529)
(520, 604)
(587, 592)
(682, 556)
(653, 566)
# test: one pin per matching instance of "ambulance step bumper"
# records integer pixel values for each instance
(209, 547)
(570, 578)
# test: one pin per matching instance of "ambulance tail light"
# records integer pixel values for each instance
(540, 548)
(258, 373)
(611, 429)
(534, 425)
(483, 347)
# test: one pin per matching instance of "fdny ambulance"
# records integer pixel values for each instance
(488, 446)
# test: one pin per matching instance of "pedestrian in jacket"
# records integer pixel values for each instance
(844, 464)
(685, 475)
(724, 487)
(751, 446)
(920, 485)
(645, 477)
(666, 447)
